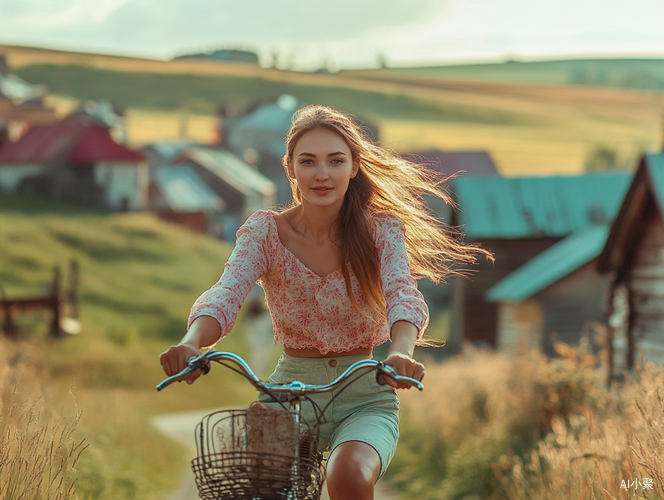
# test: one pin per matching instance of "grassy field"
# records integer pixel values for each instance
(606, 72)
(139, 276)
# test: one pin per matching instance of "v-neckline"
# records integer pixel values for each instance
(293, 256)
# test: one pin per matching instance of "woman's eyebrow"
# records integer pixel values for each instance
(304, 153)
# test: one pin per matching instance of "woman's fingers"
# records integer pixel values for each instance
(406, 367)
(175, 359)
(386, 379)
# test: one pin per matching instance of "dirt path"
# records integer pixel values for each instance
(180, 426)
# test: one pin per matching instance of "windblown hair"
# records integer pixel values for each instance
(388, 183)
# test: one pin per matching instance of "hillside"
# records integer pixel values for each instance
(528, 118)
(139, 275)
(646, 74)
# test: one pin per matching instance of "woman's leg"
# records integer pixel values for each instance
(352, 471)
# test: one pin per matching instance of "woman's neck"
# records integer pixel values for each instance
(314, 222)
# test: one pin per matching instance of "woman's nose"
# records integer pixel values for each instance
(321, 173)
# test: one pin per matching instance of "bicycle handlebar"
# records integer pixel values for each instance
(202, 362)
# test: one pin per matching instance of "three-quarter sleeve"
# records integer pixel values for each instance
(404, 301)
(245, 266)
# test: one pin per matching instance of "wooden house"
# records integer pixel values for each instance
(634, 259)
(21, 106)
(179, 195)
(257, 137)
(517, 219)
(241, 187)
(556, 295)
(77, 160)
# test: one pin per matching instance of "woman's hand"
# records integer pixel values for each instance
(400, 356)
(174, 360)
(404, 366)
(203, 332)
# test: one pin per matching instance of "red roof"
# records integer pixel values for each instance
(79, 140)
(95, 144)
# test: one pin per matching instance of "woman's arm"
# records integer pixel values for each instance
(407, 312)
(400, 357)
(213, 314)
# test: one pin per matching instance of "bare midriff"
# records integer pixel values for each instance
(315, 353)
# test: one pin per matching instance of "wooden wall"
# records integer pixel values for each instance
(475, 319)
(520, 326)
(572, 304)
(645, 285)
(564, 312)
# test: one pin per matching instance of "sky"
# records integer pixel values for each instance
(306, 34)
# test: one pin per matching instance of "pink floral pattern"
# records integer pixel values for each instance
(308, 310)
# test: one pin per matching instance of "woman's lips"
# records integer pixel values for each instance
(321, 190)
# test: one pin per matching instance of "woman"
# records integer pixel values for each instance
(338, 272)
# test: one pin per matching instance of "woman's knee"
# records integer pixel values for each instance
(352, 471)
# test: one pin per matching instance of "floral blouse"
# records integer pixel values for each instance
(310, 311)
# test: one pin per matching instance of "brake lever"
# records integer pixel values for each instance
(200, 362)
(388, 370)
(194, 363)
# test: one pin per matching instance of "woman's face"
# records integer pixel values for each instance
(322, 166)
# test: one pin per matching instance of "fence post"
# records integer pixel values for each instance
(8, 325)
(55, 303)
(72, 289)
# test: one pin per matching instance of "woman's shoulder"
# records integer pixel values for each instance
(259, 223)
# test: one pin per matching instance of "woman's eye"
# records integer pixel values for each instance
(337, 161)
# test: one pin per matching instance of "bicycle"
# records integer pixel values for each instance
(263, 453)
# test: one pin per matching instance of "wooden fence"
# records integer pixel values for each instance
(62, 304)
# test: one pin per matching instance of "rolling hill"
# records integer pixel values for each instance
(527, 115)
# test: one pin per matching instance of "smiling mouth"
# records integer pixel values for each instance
(322, 189)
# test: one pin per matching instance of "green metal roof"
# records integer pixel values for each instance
(526, 207)
(550, 266)
(232, 170)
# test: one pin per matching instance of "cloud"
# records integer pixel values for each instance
(169, 25)
(345, 32)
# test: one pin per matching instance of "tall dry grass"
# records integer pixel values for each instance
(493, 427)
(38, 450)
(611, 452)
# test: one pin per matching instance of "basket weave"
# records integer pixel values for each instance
(258, 453)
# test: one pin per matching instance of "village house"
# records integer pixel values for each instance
(519, 219)
(21, 105)
(241, 187)
(555, 296)
(633, 259)
(178, 194)
(77, 160)
(257, 137)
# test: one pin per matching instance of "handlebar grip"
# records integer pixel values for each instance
(384, 369)
(195, 363)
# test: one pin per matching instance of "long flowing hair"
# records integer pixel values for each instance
(385, 182)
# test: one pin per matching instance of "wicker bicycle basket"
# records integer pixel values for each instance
(258, 453)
